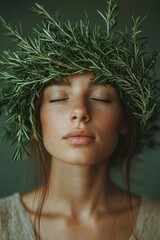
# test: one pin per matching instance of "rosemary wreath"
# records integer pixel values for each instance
(59, 49)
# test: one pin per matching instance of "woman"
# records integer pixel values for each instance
(83, 98)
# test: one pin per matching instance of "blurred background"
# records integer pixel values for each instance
(145, 170)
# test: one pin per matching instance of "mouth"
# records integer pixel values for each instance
(79, 137)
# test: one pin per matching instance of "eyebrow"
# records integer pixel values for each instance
(66, 82)
(62, 82)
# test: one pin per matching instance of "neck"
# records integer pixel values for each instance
(79, 187)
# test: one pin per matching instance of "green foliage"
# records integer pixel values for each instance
(59, 49)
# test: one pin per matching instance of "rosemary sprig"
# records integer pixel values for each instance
(59, 49)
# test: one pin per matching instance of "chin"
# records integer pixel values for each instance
(80, 162)
(81, 158)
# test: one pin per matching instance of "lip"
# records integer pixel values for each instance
(79, 137)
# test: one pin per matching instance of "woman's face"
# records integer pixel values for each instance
(81, 121)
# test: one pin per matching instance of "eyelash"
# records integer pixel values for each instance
(57, 100)
(95, 99)
(102, 100)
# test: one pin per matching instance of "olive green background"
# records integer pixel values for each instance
(146, 170)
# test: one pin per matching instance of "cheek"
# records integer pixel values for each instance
(53, 124)
(48, 126)
(49, 118)
(48, 122)
(111, 121)
(110, 127)
(109, 133)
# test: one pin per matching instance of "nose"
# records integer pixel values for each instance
(80, 112)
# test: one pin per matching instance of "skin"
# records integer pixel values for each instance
(81, 106)
(82, 202)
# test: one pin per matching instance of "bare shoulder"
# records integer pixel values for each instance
(136, 201)
(128, 200)
(29, 201)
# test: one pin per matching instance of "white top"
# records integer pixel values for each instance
(15, 223)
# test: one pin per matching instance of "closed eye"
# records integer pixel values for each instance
(57, 100)
(102, 100)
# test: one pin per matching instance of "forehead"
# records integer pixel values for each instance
(81, 81)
